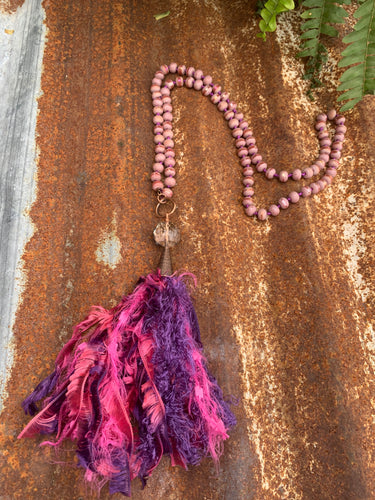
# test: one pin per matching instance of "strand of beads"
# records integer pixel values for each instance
(163, 176)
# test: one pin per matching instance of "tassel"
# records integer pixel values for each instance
(131, 385)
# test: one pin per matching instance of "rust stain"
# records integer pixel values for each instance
(286, 308)
(10, 6)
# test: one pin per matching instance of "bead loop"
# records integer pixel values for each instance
(165, 203)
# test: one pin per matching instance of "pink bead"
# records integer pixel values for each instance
(337, 146)
(294, 197)
(158, 129)
(168, 143)
(261, 167)
(157, 102)
(237, 132)
(247, 181)
(244, 125)
(333, 163)
(296, 174)
(170, 182)
(228, 115)
(331, 172)
(215, 98)
(322, 184)
(166, 99)
(190, 71)
(339, 137)
(315, 169)
(159, 148)
(321, 164)
(167, 126)
(168, 134)
(170, 153)
(250, 141)
(274, 209)
(207, 80)
(156, 95)
(181, 70)
(306, 191)
(340, 120)
(233, 123)
(198, 84)
(158, 138)
(248, 191)
(156, 185)
(250, 182)
(167, 117)
(165, 91)
(157, 119)
(189, 82)
(253, 150)
(341, 129)
(155, 88)
(232, 105)
(250, 210)
(159, 158)
(173, 67)
(325, 151)
(157, 81)
(169, 172)
(327, 179)
(157, 110)
(206, 91)
(179, 81)
(323, 135)
(324, 157)
(321, 118)
(320, 125)
(331, 114)
(247, 202)
(240, 143)
(222, 106)
(308, 173)
(270, 173)
(170, 162)
(245, 161)
(164, 69)
(247, 133)
(198, 75)
(155, 176)
(242, 152)
(262, 214)
(167, 192)
(167, 107)
(256, 159)
(224, 96)
(314, 188)
(335, 155)
(284, 203)
(157, 167)
(216, 89)
(239, 116)
(283, 176)
(160, 75)
(325, 142)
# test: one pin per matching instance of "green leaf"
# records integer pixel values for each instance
(320, 15)
(359, 80)
(271, 9)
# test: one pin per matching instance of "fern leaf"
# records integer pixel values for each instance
(359, 80)
(319, 15)
(269, 13)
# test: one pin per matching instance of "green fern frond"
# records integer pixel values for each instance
(359, 80)
(269, 13)
(320, 16)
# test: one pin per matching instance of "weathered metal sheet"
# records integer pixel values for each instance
(286, 307)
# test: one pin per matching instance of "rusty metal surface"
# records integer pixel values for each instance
(286, 307)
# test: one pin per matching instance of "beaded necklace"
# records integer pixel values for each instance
(247, 151)
(132, 384)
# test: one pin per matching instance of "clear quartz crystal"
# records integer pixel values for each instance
(166, 234)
